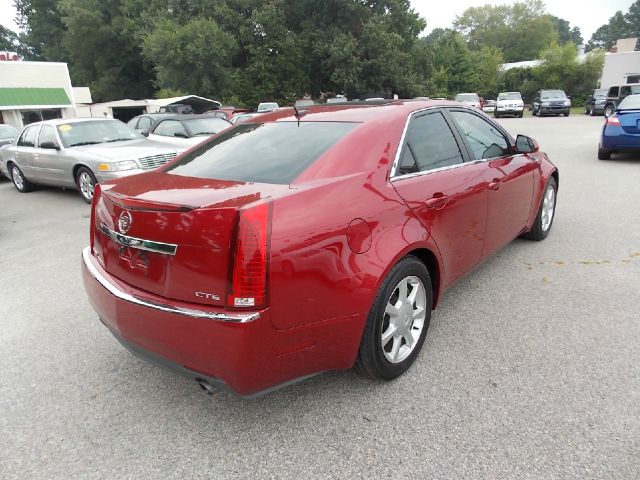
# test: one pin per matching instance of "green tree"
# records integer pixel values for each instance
(619, 26)
(565, 33)
(8, 39)
(102, 50)
(520, 31)
(41, 22)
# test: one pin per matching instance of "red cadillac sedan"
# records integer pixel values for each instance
(299, 243)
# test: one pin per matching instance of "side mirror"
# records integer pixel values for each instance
(144, 133)
(526, 144)
(50, 145)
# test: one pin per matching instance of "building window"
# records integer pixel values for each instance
(635, 78)
(31, 116)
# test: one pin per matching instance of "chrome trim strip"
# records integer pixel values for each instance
(115, 291)
(441, 169)
(139, 243)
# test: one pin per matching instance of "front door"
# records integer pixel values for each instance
(51, 161)
(509, 178)
(446, 194)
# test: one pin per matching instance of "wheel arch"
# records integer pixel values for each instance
(77, 167)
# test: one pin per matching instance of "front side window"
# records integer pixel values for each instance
(47, 135)
(429, 144)
(275, 152)
(625, 91)
(170, 128)
(484, 140)
(28, 137)
(613, 91)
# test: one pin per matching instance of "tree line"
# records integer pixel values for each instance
(246, 51)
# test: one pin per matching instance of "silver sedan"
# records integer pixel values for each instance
(79, 153)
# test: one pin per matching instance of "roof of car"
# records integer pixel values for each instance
(355, 111)
(64, 121)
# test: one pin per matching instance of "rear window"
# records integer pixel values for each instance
(632, 102)
(262, 152)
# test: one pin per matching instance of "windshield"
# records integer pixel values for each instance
(261, 152)
(602, 93)
(97, 131)
(553, 95)
(467, 97)
(205, 126)
(7, 132)
(632, 102)
(510, 96)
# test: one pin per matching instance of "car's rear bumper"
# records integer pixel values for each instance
(239, 351)
(615, 138)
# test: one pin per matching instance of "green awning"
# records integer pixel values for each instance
(15, 97)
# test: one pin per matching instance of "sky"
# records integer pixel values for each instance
(588, 16)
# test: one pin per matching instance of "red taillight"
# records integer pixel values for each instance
(251, 259)
(92, 226)
(613, 120)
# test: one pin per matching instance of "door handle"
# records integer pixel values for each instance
(494, 186)
(437, 202)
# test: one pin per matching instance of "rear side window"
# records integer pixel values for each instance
(430, 144)
(170, 128)
(484, 140)
(262, 152)
(144, 123)
(28, 137)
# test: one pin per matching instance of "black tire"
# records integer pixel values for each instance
(591, 111)
(86, 182)
(604, 154)
(371, 360)
(566, 114)
(608, 110)
(537, 232)
(521, 115)
(496, 115)
(19, 181)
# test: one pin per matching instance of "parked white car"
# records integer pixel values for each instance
(509, 103)
(267, 106)
(470, 99)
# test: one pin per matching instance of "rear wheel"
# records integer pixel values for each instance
(19, 181)
(87, 182)
(398, 321)
(496, 115)
(546, 213)
(604, 154)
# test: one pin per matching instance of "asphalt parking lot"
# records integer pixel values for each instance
(531, 367)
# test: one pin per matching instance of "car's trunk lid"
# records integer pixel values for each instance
(179, 234)
(629, 120)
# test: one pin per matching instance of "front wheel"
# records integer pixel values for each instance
(87, 182)
(19, 181)
(546, 213)
(591, 112)
(398, 321)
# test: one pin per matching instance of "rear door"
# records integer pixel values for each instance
(509, 177)
(26, 154)
(446, 194)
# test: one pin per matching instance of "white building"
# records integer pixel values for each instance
(622, 64)
(34, 91)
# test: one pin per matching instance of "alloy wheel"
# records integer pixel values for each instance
(403, 319)
(548, 208)
(86, 185)
(16, 175)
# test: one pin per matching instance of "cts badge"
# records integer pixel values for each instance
(124, 222)
(208, 296)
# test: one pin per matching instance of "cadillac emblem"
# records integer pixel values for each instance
(124, 222)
